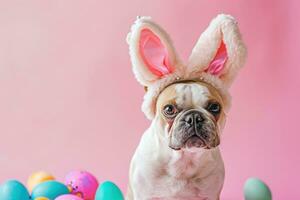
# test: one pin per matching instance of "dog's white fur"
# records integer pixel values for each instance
(157, 171)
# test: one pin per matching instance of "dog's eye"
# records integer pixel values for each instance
(214, 108)
(169, 110)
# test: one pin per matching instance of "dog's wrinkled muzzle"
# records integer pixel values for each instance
(193, 128)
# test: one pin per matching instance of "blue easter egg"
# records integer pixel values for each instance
(255, 189)
(108, 191)
(13, 190)
(49, 189)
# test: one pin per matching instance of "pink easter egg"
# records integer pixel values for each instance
(68, 197)
(82, 184)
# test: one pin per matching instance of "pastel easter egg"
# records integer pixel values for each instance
(37, 178)
(255, 189)
(109, 191)
(13, 190)
(49, 189)
(68, 197)
(82, 184)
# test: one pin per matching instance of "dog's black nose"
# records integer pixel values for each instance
(194, 119)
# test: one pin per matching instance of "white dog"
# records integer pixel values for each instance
(178, 156)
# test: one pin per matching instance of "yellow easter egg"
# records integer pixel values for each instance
(37, 178)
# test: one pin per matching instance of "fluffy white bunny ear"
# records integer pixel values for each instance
(219, 51)
(152, 54)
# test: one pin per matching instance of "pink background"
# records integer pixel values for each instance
(69, 100)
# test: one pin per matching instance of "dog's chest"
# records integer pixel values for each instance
(183, 166)
(179, 178)
(170, 188)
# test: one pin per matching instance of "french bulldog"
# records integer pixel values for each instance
(178, 157)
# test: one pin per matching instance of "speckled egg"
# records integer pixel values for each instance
(255, 189)
(13, 190)
(49, 189)
(82, 184)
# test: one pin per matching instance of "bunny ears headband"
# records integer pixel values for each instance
(216, 58)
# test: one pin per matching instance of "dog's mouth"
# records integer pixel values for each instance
(195, 142)
(191, 142)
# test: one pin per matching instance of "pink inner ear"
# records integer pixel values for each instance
(154, 53)
(218, 63)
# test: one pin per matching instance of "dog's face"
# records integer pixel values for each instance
(191, 114)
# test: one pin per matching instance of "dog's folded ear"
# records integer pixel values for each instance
(152, 53)
(219, 51)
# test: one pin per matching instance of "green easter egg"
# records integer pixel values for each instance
(255, 189)
(49, 190)
(13, 190)
(108, 191)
